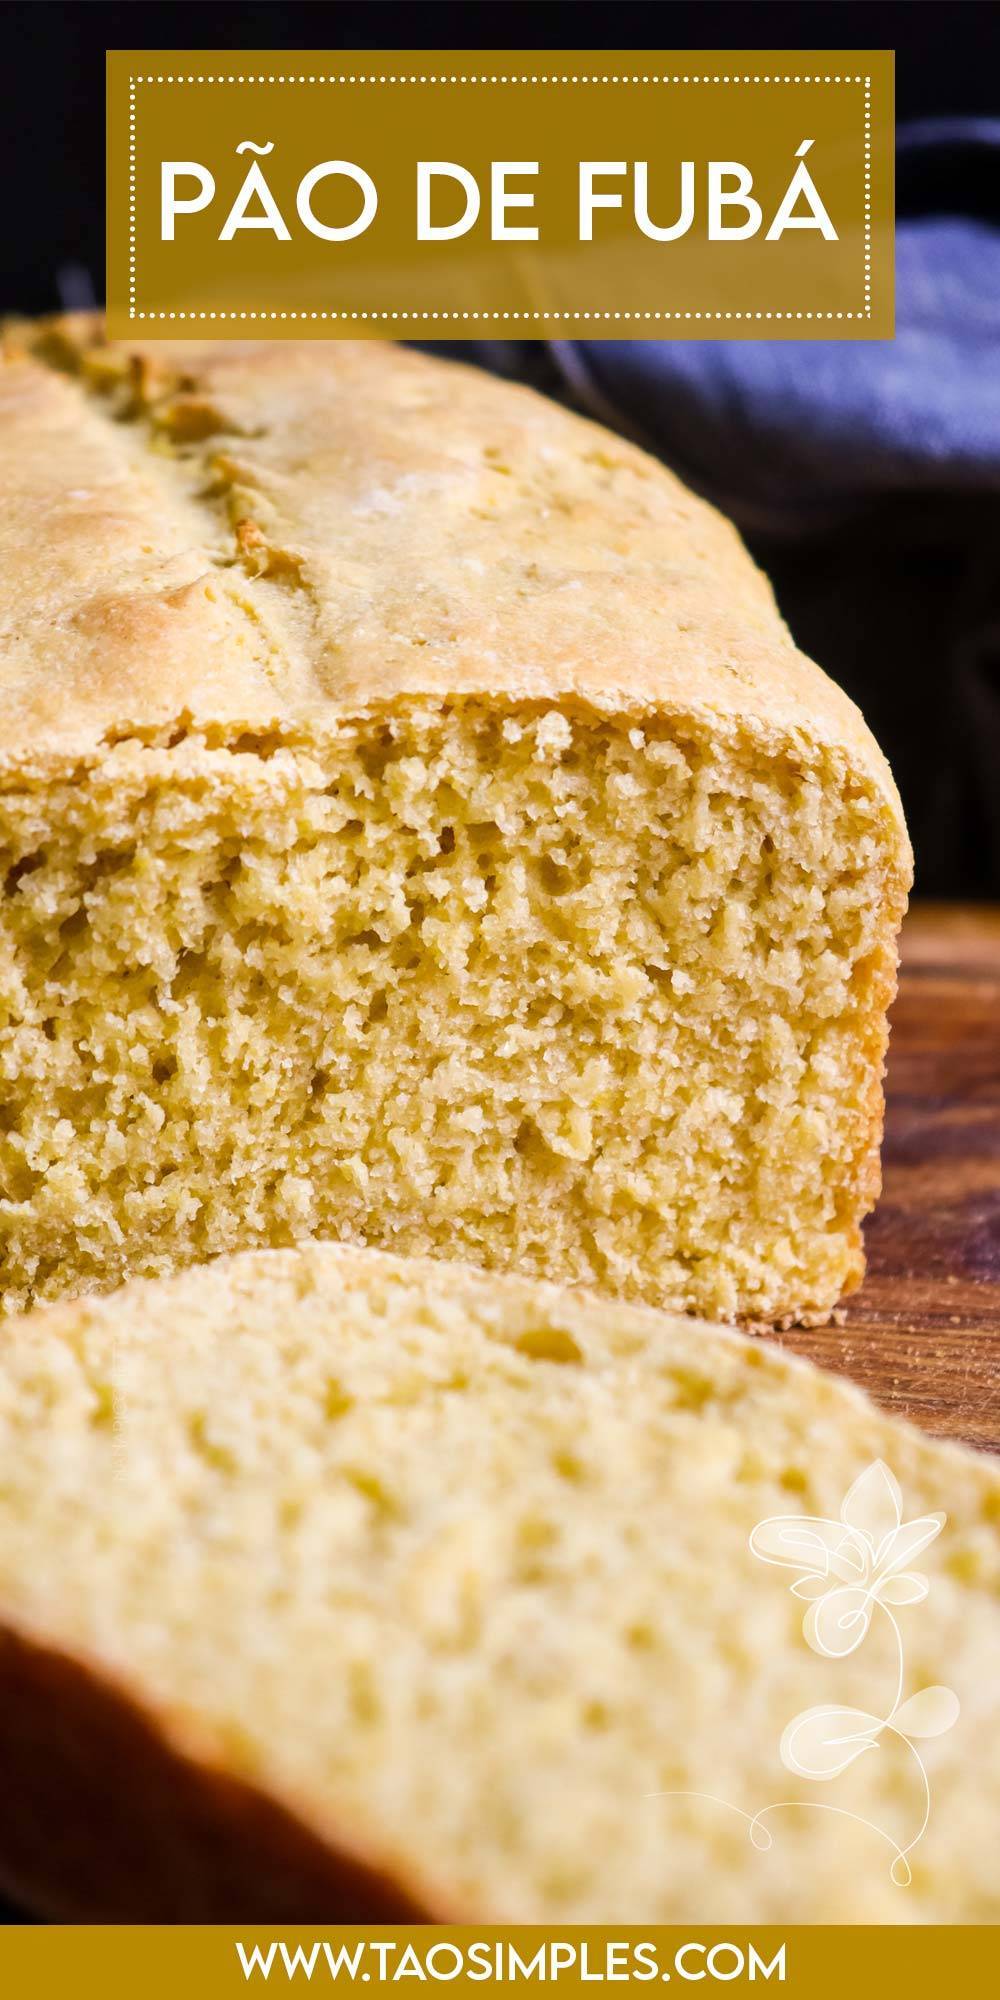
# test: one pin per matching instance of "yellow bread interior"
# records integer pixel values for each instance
(457, 1570)
(520, 983)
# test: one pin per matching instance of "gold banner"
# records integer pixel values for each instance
(806, 1962)
(734, 194)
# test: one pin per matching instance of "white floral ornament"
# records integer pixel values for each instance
(847, 1569)
(850, 1565)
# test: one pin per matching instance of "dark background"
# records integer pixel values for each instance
(52, 65)
(884, 601)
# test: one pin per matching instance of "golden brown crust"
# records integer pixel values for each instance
(288, 532)
(105, 1819)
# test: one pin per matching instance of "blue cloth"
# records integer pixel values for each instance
(788, 436)
(866, 477)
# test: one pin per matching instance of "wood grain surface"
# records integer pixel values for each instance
(923, 1333)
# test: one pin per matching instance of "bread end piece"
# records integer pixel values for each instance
(416, 827)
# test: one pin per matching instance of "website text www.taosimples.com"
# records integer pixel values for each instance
(383, 1960)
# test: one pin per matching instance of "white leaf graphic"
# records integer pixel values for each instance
(804, 1541)
(837, 1623)
(908, 1541)
(874, 1504)
(929, 1712)
(910, 1588)
(822, 1742)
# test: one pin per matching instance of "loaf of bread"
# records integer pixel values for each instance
(416, 828)
(334, 1584)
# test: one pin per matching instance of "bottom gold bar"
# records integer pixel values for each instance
(161, 1962)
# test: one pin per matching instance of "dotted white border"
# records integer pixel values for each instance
(451, 317)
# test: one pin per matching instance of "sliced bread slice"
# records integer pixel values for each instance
(337, 1585)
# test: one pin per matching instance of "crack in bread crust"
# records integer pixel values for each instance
(416, 826)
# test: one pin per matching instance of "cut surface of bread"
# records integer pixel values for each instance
(416, 828)
(438, 1589)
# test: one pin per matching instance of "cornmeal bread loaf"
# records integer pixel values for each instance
(417, 828)
(336, 1584)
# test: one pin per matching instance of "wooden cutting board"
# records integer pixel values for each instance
(923, 1333)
